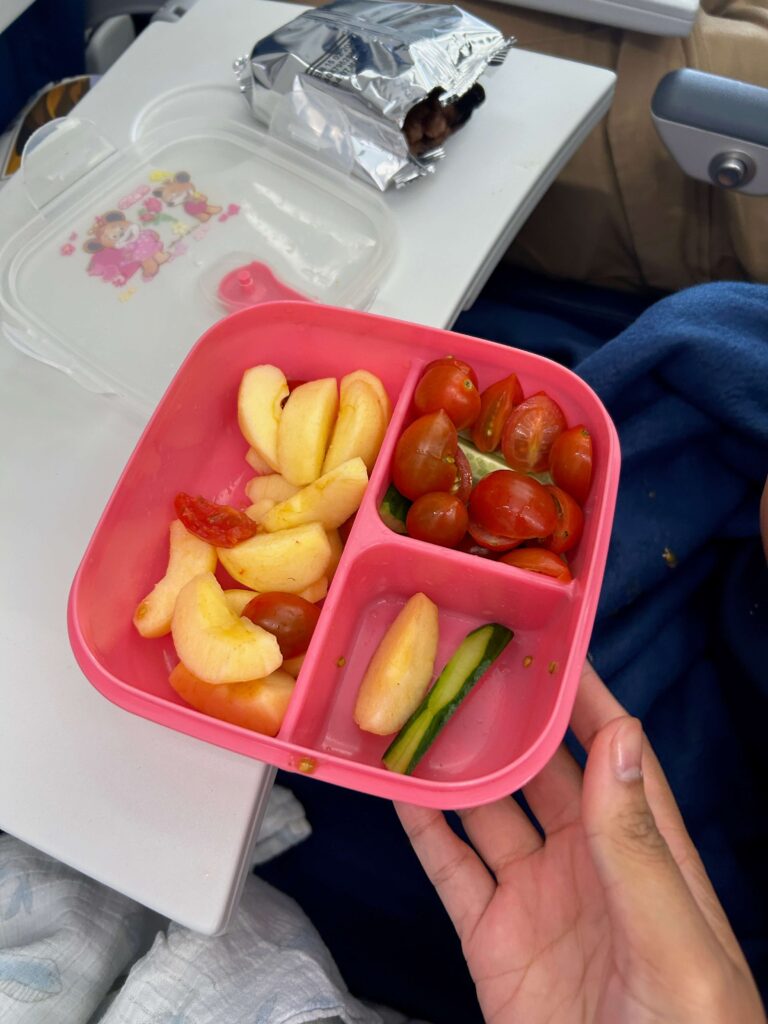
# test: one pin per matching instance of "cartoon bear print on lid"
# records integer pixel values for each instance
(119, 248)
(179, 190)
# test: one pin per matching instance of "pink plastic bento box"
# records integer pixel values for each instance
(514, 719)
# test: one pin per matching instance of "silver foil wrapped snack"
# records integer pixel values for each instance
(372, 87)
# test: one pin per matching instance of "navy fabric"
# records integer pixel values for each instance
(44, 44)
(684, 646)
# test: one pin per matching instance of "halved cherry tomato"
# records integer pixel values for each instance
(512, 505)
(439, 518)
(472, 547)
(530, 432)
(450, 388)
(496, 403)
(453, 361)
(287, 617)
(539, 560)
(489, 542)
(463, 485)
(220, 525)
(570, 521)
(425, 456)
(570, 462)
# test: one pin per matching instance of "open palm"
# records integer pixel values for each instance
(609, 918)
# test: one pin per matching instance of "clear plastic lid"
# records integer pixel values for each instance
(118, 274)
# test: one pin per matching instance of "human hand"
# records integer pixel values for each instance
(611, 918)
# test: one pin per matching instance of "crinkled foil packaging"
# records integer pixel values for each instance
(341, 81)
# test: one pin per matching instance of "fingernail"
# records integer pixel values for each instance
(627, 751)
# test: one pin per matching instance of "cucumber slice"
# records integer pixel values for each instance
(471, 660)
(483, 463)
(393, 509)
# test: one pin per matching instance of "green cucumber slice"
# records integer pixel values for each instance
(471, 660)
(393, 509)
(483, 463)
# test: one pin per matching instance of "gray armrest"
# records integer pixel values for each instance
(715, 128)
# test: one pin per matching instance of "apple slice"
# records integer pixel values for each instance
(304, 429)
(360, 426)
(257, 462)
(400, 670)
(215, 644)
(337, 550)
(256, 704)
(330, 500)
(188, 557)
(272, 486)
(293, 665)
(287, 561)
(375, 383)
(259, 409)
(259, 509)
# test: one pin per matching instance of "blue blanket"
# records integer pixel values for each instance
(681, 635)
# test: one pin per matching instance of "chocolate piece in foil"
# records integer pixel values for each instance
(373, 88)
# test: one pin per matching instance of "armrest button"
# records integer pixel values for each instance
(731, 170)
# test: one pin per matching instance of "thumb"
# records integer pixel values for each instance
(649, 903)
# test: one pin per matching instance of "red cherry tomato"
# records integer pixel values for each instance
(439, 518)
(453, 361)
(472, 547)
(512, 505)
(463, 484)
(220, 525)
(570, 522)
(570, 462)
(451, 389)
(489, 542)
(287, 617)
(539, 560)
(530, 432)
(425, 456)
(496, 404)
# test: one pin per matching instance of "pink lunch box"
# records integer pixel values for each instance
(514, 719)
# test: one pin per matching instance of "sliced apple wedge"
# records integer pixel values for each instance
(315, 591)
(359, 428)
(293, 665)
(188, 557)
(337, 550)
(288, 561)
(375, 383)
(257, 462)
(330, 500)
(259, 509)
(259, 409)
(215, 644)
(272, 486)
(400, 670)
(257, 704)
(304, 429)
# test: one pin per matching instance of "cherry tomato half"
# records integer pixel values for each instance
(570, 522)
(510, 504)
(462, 488)
(570, 462)
(496, 404)
(439, 518)
(530, 432)
(425, 456)
(220, 525)
(539, 560)
(287, 617)
(453, 361)
(489, 542)
(449, 388)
